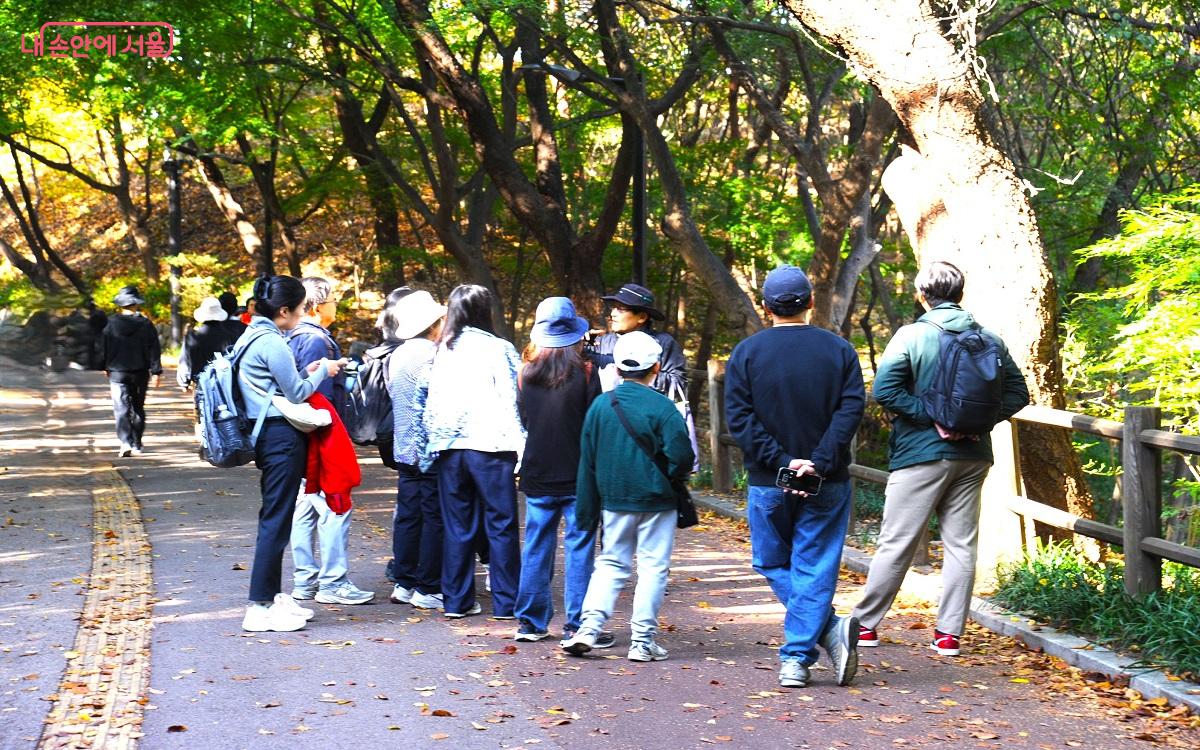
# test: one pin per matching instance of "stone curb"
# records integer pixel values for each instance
(1072, 649)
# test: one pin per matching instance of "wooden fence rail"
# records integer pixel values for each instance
(1142, 442)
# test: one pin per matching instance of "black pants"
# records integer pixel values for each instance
(417, 532)
(281, 454)
(128, 389)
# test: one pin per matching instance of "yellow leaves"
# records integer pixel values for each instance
(1020, 680)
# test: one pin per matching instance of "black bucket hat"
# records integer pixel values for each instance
(128, 297)
(636, 297)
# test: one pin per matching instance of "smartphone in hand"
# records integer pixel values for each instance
(789, 479)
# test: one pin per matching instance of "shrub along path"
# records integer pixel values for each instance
(391, 674)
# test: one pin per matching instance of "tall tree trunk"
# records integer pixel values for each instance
(959, 198)
(218, 188)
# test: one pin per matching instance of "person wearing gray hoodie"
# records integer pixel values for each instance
(933, 469)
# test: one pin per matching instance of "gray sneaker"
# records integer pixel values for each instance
(304, 593)
(582, 642)
(344, 593)
(605, 640)
(840, 641)
(646, 651)
(792, 674)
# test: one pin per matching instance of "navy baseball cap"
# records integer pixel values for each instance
(787, 285)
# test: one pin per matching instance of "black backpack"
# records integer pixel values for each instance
(367, 410)
(966, 393)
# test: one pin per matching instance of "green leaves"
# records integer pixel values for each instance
(1139, 341)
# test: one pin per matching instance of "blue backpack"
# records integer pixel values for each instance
(967, 389)
(226, 436)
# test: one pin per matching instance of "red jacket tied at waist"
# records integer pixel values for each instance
(332, 462)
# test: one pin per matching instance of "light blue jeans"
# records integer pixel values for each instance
(652, 537)
(333, 534)
(796, 544)
(535, 604)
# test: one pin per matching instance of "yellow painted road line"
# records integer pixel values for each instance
(100, 700)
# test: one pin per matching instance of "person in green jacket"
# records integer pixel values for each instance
(933, 469)
(634, 494)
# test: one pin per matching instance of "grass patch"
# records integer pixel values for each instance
(1058, 585)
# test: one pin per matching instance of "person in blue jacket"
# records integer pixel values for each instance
(328, 583)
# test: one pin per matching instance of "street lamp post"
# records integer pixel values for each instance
(172, 167)
(638, 209)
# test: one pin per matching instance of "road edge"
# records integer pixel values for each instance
(1075, 651)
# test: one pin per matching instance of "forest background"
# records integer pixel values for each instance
(435, 143)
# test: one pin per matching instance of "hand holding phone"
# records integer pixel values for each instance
(806, 483)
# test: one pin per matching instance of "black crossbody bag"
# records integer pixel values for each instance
(685, 509)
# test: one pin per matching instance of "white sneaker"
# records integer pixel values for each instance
(261, 619)
(288, 604)
(646, 651)
(487, 577)
(124, 451)
(427, 601)
(400, 595)
(474, 610)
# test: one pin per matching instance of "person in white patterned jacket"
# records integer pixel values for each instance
(474, 441)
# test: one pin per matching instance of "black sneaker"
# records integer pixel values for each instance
(527, 633)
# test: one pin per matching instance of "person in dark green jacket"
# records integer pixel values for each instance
(933, 469)
(618, 480)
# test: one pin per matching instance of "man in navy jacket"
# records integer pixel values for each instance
(794, 396)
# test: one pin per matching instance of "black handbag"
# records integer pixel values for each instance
(686, 516)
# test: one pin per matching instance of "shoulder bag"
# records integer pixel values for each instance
(685, 508)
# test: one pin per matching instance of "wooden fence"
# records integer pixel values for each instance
(1141, 440)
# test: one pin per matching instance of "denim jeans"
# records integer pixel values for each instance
(333, 535)
(652, 537)
(796, 544)
(280, 454)
(417, 532)
(478, 491)
(534, 602)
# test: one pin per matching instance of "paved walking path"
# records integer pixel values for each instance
(73, 616)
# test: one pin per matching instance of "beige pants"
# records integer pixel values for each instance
(951, 489)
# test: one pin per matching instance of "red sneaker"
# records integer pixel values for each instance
(944, 643)
(867, 638)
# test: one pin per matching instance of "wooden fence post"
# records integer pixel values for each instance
(1141, 485)
(722, 479)
(999, 527)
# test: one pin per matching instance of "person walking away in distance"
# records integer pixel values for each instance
(794, 397)
(131, 358)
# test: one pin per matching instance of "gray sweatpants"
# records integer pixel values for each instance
(914, 493)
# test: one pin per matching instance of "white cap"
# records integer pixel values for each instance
(636, 350)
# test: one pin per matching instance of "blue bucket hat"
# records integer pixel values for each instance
(556, 325)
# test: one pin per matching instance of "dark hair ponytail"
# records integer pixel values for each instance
(468, 305)
(275, 293)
